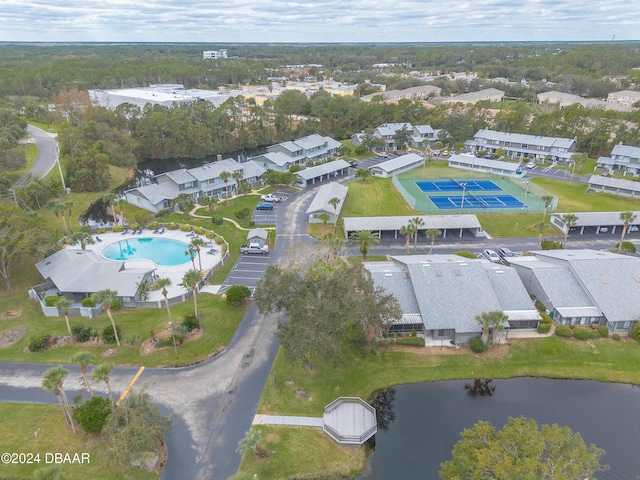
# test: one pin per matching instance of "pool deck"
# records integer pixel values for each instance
(173, 273)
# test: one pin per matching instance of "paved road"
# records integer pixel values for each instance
(46, 158)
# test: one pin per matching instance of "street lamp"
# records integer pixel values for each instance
(173, 334)
(464, 189)
(526, 190)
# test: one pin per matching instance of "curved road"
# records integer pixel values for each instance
(46, 158)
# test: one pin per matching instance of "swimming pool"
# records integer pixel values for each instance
(161, 251)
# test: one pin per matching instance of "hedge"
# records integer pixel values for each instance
(563, 331)
(581, 333)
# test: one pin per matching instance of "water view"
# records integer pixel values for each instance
(424, 421)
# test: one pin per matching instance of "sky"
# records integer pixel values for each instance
(317, 21)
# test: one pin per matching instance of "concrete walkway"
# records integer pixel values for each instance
(261, 419)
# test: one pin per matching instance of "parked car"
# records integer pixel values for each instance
(491, 255)
(505, 252)
(531, 165)
(271, 198)
(632, 228)
(604, 229)
(254, 248)
(264, 206)
(383, 154)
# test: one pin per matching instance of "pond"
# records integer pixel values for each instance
(424, 421)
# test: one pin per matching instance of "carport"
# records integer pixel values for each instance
(326, 171)
(591, 220)
(388, 226)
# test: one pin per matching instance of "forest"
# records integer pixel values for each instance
(48, 84)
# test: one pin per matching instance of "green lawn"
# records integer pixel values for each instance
(19, 424)
(375, 197)
(601, 360)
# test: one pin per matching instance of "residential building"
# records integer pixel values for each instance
(468, 161)
(490, 94)
(196, 182)
(419, 135)
(625, 97)
(522, 146)
(615, 186)
(584, 286)
(310, 149)
(566, 99)
(215, 54)
(423, 285)
(419, 93)
(320, 203)
(166, 95)
(623, 157)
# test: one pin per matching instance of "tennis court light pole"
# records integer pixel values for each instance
(526, 190)
(464, 189)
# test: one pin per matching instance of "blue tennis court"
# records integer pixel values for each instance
(457, 186)
(450, 202)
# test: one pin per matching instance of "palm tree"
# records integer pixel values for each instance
(101, 374)
(110, 199)
(82, 237)
(548, 200)
(52, 381)
(56, 208)
(237, 176)
(626, 218)
(225, 176)
(364, 173)
(540, 227)
(365, 239)
(432, 233)
(84, 359)
(120, 204)
(415, 223)
(407, 231)
(494, 320)
(335, 244)
(324, 217)
(334, 202)
(63, 305)
(191, 252)
(569, 220)
(190, 281)
(251, 443)
(107, 297)
(163, 283)
(196, 243)
(66, 206)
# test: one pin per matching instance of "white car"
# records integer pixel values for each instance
(632, 228)
(492, 256)
(271, 198)
(383, 155)
(531, 165)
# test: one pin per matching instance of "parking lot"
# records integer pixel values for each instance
(269, 217)
(247, 271)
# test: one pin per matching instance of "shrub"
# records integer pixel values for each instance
(116, 305)
(83, 333)
(544, 327)
(477, 345)
(551, 245)
(563, 331)
(466, 254)
(539, 306)
(594, 334)
(171, 226)
(209, 235)
(39, 343)
(616, 337)
(412, 341)
(581, 333)
(190, 323)
(218, 239)
(92, 414)
(603, 331)
(117, 228)
(198, 230)
(252, 223)
(360, 150)
(135, 226)
(237, 294)
(168, 342)
(185, 228)
(546, 318)
(88, 302)
(51, 300)
(153, 225)
(108, 336)
(101, 230)
(217, 220)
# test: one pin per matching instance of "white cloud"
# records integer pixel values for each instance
(317, 20)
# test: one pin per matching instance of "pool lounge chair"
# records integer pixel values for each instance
(98, 239)
(212, 251)
(125, 231)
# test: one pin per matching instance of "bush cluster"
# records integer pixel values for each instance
(581, 333)
(190, 323)
(88, 302)
(92, 414)
(108, 336)
(38, 343)
(544, 327)
(563, 331)
(51, 300)
(539, 306)
(237, 294)
(171, 226)
(603, 331)
(185, 228)
(217, 220)
(594, 334)
(83, 333)
(616, 337)
(116, 305)
(477, 345)
(168, 342)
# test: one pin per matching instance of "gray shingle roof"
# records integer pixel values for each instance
(397, 163)
(610, 182)
(472, 160)
(522, 138)
(157, 193)
(320, 202)
(594, 219)
(323, 169)
(354, 224)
